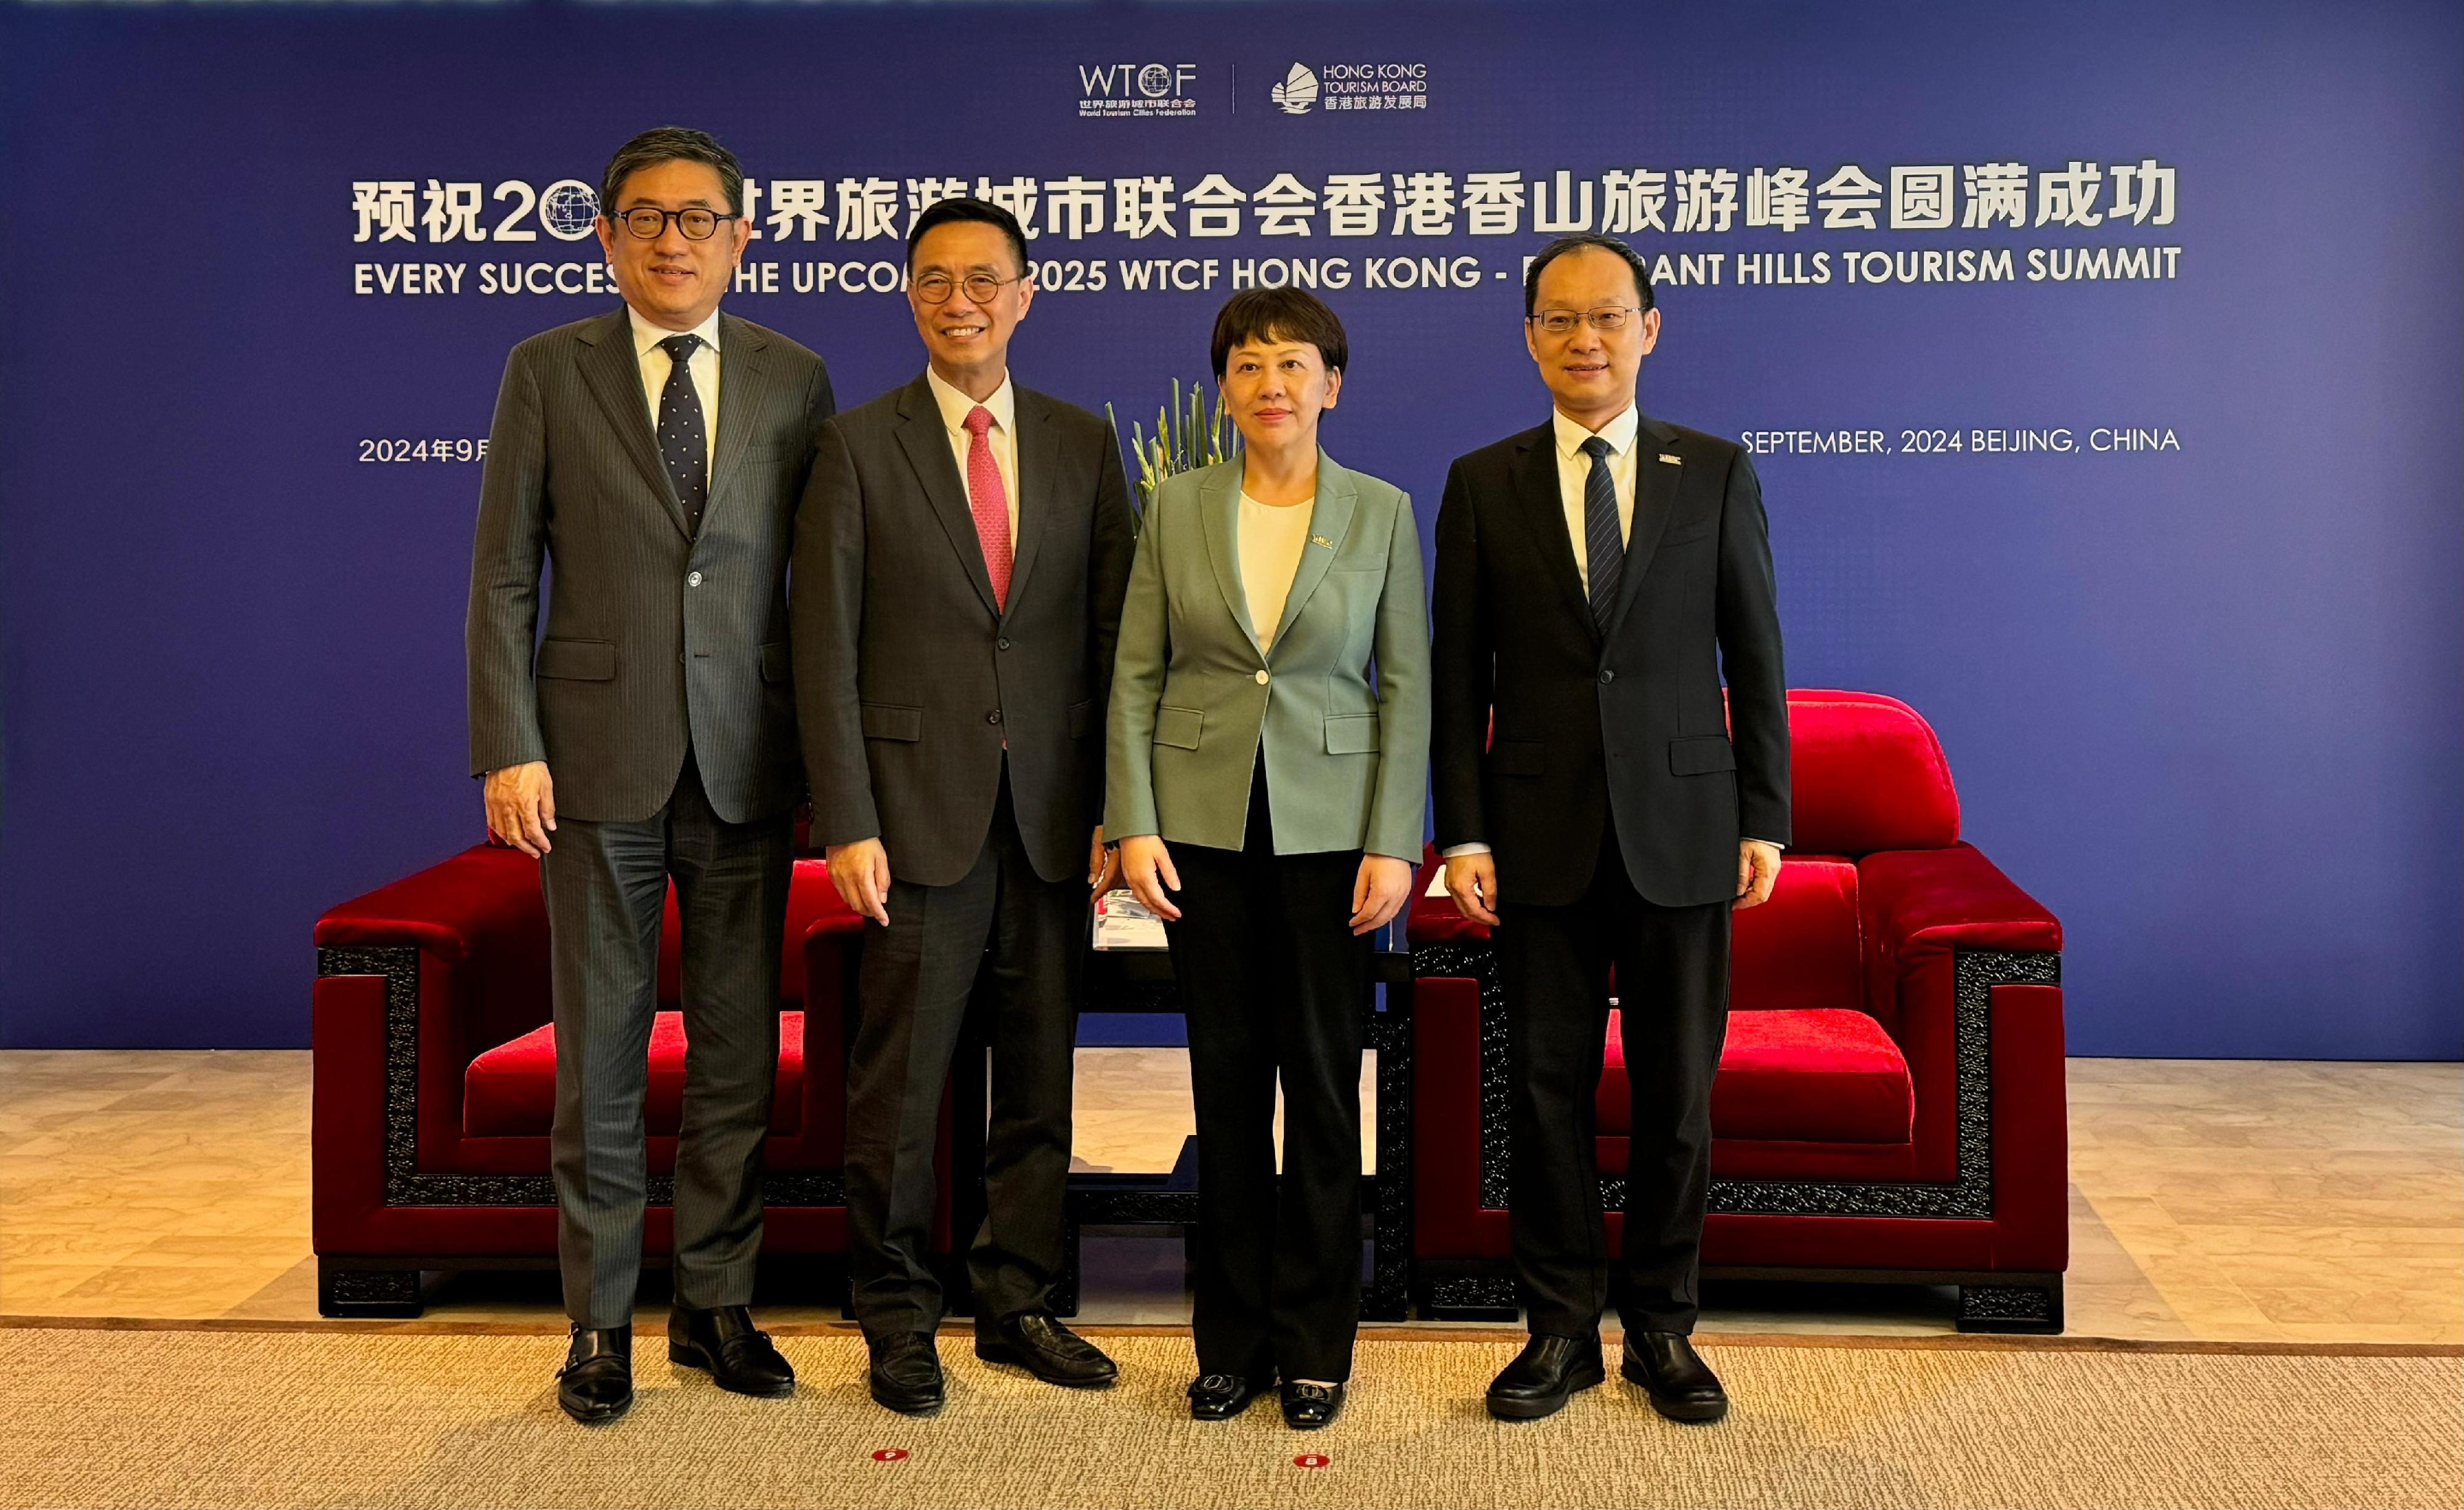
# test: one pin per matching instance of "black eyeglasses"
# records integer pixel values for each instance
(1608, 317)
(935, 288)
(649, 224)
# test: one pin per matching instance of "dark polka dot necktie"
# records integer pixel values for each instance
(684, 443)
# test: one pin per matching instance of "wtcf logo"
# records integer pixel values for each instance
(1137, 89)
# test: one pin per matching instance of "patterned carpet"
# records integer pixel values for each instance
(320, 1416)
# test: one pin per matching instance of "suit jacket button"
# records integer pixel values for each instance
(1262, 678)
(1003, 643)
(692, 578)
(1607, 676)
(992, 717)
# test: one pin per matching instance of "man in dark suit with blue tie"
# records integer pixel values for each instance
(654, 455)
(1596, 579)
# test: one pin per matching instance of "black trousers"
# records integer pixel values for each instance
(1013, 944)
(605, 886)
(1672, 980)
(1273, 984)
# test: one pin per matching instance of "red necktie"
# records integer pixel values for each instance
(988, 501)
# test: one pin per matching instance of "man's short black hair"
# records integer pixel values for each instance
(1576, 243)
(671, 144)
(948, 211)
(1279, 315)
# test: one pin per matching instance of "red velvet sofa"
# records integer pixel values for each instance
(1889, 1105)
(434, 1074)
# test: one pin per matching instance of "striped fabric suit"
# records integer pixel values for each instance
(661, 698)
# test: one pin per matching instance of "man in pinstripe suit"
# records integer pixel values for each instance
(654, 455)
(960, 558)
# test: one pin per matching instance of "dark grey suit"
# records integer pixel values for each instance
(660, 698)
(969, 740)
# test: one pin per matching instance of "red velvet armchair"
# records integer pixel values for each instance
(434, 1074)
(1889, 1104)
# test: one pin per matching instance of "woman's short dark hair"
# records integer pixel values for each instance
(946, 212)
(1279, 315)
(671, 144)
(1575, 242)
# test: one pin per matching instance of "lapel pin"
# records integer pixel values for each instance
(1320, 539)
(1670, 460)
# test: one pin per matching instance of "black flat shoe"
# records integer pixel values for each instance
(1221, 1396)
(596, 1384)
(906, 1373)
(724, 1341)
(1306, 1406)
(1682, 1386)
(1039, 1343)
(1543, 1376)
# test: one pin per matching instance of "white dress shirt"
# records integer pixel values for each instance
(1272, 541)
(1002, 437)
(702, 372)
(1574, 473)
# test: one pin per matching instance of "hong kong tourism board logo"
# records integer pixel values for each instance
(1136, 90)
(1350, 86)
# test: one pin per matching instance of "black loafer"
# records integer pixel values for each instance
(724, 1341)
(1039, 1343)
(1682, 1386)
(1221, 1396)
(1543, 1376)
(906, 1373)
(596, 1384)
(1306, 1406)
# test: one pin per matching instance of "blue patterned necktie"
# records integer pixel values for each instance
(684, 442)
(1603, 542)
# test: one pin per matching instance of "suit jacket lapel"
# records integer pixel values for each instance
(1655, 498)
(1039, 456)
(926, 440)
(743, 382)
(1329, 521)
(1218, 508)
(613, 374)
(1544, 508)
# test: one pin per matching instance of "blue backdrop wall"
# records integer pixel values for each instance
(2199, 684)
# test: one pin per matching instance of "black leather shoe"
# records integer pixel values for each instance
(1221, 1396)
(723, 1340)
(1541, 1377)
(1040, 1345)
(1682, 1386)
(596, 1383)
(906, 1373)
(1306, 1406)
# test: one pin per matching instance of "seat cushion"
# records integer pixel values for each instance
(1816, 1074)
(510, 1092)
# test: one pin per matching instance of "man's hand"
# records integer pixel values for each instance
(1102, 866)
(1757, 872)
(1471, 879)
(1380, 891)
(522, 807)
(861, 872)
(1146, 866)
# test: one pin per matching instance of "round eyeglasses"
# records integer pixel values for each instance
(935, 288)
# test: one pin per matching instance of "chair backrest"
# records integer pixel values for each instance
(1866, 773)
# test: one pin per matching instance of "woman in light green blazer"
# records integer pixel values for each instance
(1266, 768)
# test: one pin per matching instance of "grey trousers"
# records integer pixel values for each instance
(605, 886)
(1013, 944)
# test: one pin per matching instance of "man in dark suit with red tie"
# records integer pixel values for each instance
(1596, 577)
(961, 555)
